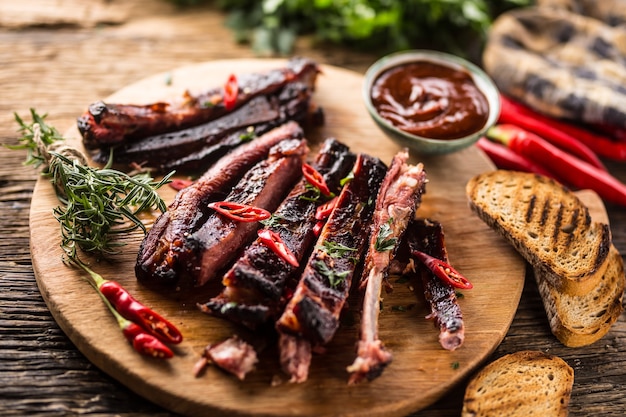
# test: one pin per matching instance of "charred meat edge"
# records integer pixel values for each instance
(254, 285)
(157, 260)
(110, 123)
(399, 197)
(427, 236)
(196, 147)
(212, 246)
(312, 314)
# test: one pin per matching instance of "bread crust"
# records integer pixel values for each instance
(520, 384)
(547, 224)
(582, 320)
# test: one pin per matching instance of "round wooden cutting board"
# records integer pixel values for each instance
(421, 371)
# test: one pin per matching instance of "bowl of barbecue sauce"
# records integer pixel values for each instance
(431, 102)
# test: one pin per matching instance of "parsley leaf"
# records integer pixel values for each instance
(383, 241)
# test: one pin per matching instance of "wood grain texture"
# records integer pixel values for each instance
(59, 69)
(421, 371)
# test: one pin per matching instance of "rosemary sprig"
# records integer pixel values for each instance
(98, 203)
(49, 135)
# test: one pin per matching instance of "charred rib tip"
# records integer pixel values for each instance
(97, 110)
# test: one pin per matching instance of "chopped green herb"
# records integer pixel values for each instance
(228, 306)
(275, 220)
(249, 135)
(383, 241)
(347, 179)
(313, 195)
(455, 365)
(334, 278)
(336, 250)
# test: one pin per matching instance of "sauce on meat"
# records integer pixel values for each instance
(430, 100)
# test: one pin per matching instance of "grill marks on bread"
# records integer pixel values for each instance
(547, 224)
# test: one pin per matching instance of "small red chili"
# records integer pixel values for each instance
(240, 212)
(324, 210)
(231, 89)
(273, 241)
(179, 184)
(316, 179)
(148, 345)
(144, 317)
(145, 343)
(443, 271)
(317, 229)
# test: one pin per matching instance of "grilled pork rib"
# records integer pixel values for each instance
(216, 242)
(313, 312)
(427, 236)
(157, 260)
(255, 284)
(399, 197)
(106, 124)
(196, 147)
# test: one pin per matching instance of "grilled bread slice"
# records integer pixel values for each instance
(547, 224)
(580, 320)
(525, 383)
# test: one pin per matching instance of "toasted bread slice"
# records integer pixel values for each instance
(525, 383)
(547, 224)
(579, 320)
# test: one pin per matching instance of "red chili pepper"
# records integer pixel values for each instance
(179, 184)
(443, 271)
(145, 343)
(240, 212)
(325, 209)
(505, 158)
(317, 229)
(577, 141)
(273, 241)
(316, 179)
(231, 90)
(576, 172)
(144, 317)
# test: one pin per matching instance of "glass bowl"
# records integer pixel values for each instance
(427, 145)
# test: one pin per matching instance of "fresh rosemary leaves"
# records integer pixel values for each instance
(98, 204)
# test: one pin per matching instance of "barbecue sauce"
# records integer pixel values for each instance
(430, 100)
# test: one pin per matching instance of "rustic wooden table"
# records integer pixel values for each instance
(59, 55)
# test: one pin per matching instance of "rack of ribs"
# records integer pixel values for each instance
(399, 197)
(107, 124)
(257, 285)
(158, 260)
(311, 317)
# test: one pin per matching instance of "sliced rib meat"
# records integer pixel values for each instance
(197, 147)
(109, 123)
(313, 311)
(157, 260)
(233, 355)
(216, 242)
(255, 284)
(427, 236)
(399, 197)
